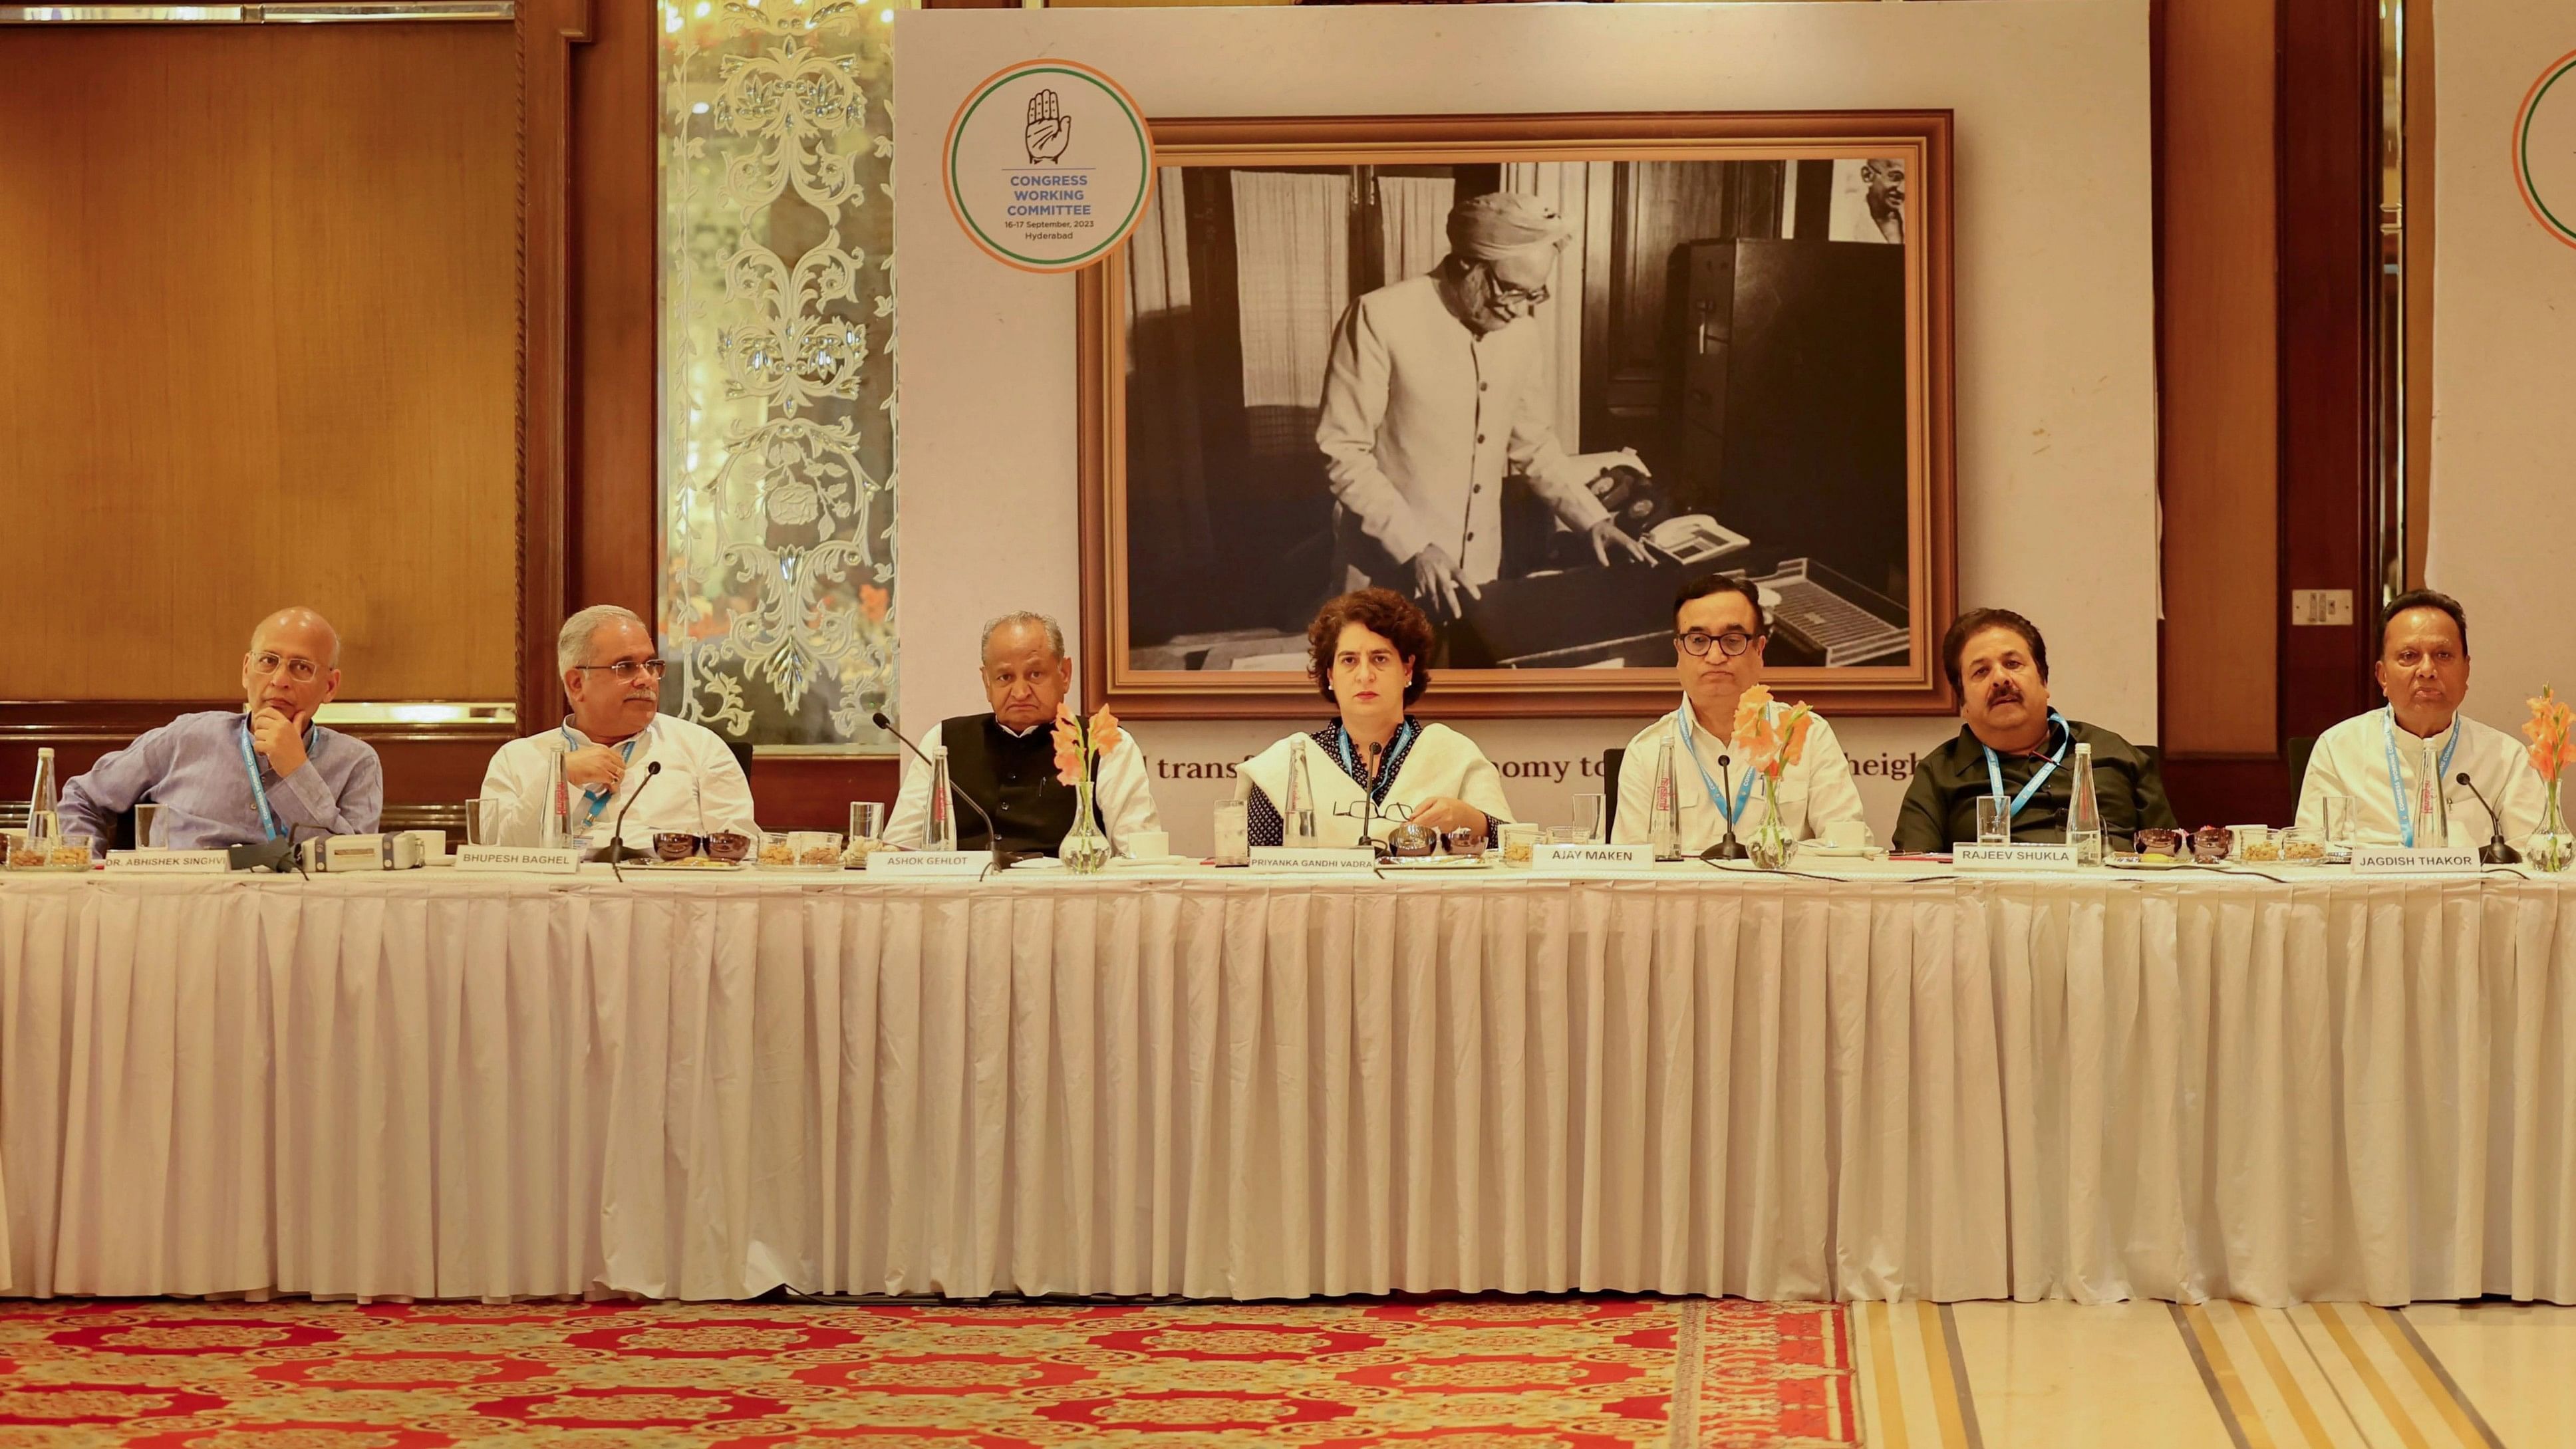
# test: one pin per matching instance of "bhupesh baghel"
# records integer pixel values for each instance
(2400, 764)
(238, 777)
(616, 732)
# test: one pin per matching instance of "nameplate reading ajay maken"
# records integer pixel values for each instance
(539, 859)
(1307, 858)
(2398, 860)
(169, 862)
(2012, 857)
(930, 862)
(1591, 859)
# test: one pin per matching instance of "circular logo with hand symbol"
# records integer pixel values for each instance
(2544, 148)
(1048, 165)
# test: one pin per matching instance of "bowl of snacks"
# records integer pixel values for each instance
(18, 854)
(2299, 846)
(854, 856)
(671, 847)
(775, 849)
(2210, 844)
(729, 847)
(71, 852)
(816, 849)
(2158, 844)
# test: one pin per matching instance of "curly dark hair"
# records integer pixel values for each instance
(1383, 612)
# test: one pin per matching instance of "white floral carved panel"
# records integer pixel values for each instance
(777, 357)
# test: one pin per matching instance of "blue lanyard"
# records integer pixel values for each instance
(1995, 768)
(2396, 779)
(1351, 765)
(1743, 792)
(597, 797)
(258, 791)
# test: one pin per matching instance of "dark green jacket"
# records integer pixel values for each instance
(1941, 805)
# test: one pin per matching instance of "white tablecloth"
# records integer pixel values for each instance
(442, 1085)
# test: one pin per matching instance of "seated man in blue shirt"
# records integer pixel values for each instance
(228, 777)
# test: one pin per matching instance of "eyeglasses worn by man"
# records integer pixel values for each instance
(239, 777)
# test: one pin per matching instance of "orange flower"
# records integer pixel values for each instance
(2549, 729)
(1104, 731)
(873, 601)
(1801, 720)
(1068, 766)
(1752, 715)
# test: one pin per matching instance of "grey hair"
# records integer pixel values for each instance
(572, 643)
(1054, 631)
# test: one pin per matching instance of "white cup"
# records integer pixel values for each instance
(1847, 834)
(1149, 844)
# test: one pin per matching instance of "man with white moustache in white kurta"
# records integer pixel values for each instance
(609, 743)
(1719, 635)
(2401, 764)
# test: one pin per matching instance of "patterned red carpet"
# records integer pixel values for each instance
(1474, 1373)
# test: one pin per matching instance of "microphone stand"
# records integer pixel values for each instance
(617, 832)
(1729, 848)
(2495, 851)
(1001, 858)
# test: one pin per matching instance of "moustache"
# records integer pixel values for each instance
(2004, 695)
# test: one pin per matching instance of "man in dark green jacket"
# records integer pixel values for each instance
(2014, 745)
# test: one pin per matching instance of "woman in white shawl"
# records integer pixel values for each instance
(1377, 765)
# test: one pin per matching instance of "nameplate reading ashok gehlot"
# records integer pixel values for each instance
(1048, 165)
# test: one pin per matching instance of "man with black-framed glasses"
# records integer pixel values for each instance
(612, 679)
(238, 777)
(1719, 633)
(1434, 392)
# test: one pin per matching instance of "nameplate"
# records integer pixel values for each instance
(1308, 858)
(2398, 860)
(2012, 857)
(540, 859)
(1591, 859)
(930, 862)
(169, 862)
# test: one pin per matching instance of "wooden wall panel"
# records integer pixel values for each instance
(262, 348)
(2220, 456)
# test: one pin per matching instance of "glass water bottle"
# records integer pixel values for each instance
(2084, 813)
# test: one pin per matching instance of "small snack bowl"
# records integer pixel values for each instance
(729, 847)
(2299, 846)
(2155, 841)
(2210, 844)
(854, 856)
(69, 853)
(776, 849)
(819, 849)
(17, 854)
(671, 847)
(1520, 842)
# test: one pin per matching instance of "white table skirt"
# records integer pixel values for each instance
(434, 1085)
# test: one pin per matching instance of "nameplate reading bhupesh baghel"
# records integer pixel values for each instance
(168, 862)
(956, 863)
(1978, 859)
(1305, 859)
(537, 859)
(2398, 860)
(1591, 859)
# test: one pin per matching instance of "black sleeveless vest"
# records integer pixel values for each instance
(1014, 777)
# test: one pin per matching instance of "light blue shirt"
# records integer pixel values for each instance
(192, 768)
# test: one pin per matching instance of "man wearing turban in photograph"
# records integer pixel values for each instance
(1436, 390)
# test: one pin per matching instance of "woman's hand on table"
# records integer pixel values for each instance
(1446, 813)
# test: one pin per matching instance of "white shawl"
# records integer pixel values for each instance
(1441, 762)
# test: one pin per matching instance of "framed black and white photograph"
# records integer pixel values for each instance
(1532, 372)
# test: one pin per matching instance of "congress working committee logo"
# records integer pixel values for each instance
(2544, 148)
(1048, 165)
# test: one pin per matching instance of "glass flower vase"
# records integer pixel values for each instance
(1085, 850)
(2552, 848)
(1770, 845)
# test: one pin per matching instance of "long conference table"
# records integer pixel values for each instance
(1899, 1083)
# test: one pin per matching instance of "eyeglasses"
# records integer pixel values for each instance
(626, 669)
(1525, 296)
(1732, 643)
(302, 671)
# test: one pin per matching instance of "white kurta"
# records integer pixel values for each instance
(1814, 793)
(1123, 789)
(700, 791)
(2352, 759)
(1440, 762)
(1421, 420)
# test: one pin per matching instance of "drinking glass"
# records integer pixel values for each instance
(1233, 833)
(483, 822)
(1587, 818)
(2339, 817)
(1994, 821)
(867, 819)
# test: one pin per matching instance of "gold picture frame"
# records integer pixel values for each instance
(1675, 328)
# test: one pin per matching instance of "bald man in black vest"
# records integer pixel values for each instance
(1005, 760)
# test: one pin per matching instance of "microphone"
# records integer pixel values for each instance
(1729, 848)
(2495, 851)
(617, 832)
(1001, 858)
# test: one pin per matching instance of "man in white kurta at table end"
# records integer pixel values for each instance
(1435, 389)
(1719, 634)
(1005, 760)
(612, 677)
(2401, 764)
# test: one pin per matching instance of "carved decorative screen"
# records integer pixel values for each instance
(777, 355)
